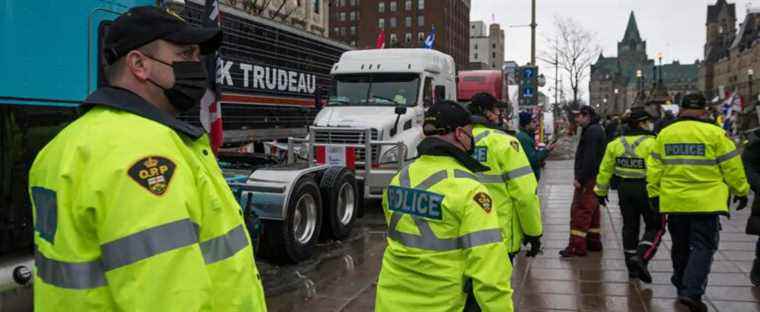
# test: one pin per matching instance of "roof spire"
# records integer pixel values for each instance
(632, 30)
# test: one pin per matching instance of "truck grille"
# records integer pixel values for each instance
(349, 136)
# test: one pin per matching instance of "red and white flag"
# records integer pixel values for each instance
(211, 110)
(380, 42)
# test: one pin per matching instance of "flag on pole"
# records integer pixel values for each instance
(380, 42)
(430, 40)
(210, 111)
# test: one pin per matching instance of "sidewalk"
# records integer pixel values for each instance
(599, 282)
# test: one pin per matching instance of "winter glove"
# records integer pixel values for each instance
(535, 245)
(654, 204)
(742, 200)
(602, 200)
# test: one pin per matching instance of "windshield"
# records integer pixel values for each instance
(376, 90)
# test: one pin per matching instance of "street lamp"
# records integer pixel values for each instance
(750, 73)
(659, 58)
(616, 99)
(640, 75)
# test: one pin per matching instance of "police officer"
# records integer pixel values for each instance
(131, 211)
(691, 172)
(443, 231)
(510, 180)
(625, 158)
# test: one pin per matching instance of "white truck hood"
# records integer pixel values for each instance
(356, 117)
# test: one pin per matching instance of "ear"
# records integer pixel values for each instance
(137, 65)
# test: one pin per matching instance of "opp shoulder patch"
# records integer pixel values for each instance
(154, 173)
(515, 145)
(484, 201)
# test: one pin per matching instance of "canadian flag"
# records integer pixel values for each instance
(211, 110)
(380, 42)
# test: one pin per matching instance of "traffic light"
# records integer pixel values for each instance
(528, 85)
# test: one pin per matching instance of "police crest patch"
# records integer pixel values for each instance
(153, 173)
(515, 145)
(484, 201)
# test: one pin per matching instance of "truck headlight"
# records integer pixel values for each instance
(390, 156)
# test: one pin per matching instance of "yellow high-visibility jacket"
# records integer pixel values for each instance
(511, 182)
(132, 213)
(625, 157)
(443, 234)
(692, 168)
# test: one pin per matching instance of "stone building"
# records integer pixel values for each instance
(486, 46)
(406, 24)
(731, 53)
(309, 15)
(617, 82)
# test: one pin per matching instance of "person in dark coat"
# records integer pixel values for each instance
(751, 160)
(585, 223)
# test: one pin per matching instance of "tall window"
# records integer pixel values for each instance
(393, 22)
(353, 2)
(408, 21)
(394, 7)
(353, 30)
(381, 23)
(353, 16)
(342, 16)
(421, 20)
(408, 5)
(381, 7)
(317, 6)
(421, 36)
(420, 4)
(408, 38)
(394, 39)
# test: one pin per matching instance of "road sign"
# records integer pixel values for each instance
(528, 95)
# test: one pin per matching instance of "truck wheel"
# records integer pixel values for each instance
(293, 239)
(341, 201)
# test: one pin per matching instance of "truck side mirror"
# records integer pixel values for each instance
(400, 110)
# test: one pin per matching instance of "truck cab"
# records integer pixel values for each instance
(387, 92)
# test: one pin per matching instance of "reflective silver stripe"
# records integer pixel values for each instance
(519, 172)
(403, 178)
(645, 243)
(81, 275)
(481, 136)
(429, 242)
(628, 149)
(225, 246)
(432, 180)
(727, 156)
(460, 174)
(656, 156)
(694, 162)
(148, 243)
(630, 251)
(630, 174)
(491, 178)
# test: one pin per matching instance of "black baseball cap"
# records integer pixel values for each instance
(639, 115)
(585, 110)
(145, 24)
(444, 117)
(693, 101)
(481, 102)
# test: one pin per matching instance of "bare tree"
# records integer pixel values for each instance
(574, 50)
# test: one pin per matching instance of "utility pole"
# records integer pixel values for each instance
(556, 71)
(533, 33)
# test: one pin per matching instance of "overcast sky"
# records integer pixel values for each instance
(674, 27)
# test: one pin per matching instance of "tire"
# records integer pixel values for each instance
(293, 240)
(341, 199)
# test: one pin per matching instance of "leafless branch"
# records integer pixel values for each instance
(575, 51)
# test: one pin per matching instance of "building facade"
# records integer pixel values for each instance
(486, 46)
(616, 83)
(406, 24)
(309, 15)
(731, 54)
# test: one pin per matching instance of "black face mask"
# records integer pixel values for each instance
(190, 83)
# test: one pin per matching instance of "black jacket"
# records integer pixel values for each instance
(751, 160)
(590, 151)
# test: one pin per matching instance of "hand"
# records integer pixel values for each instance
(742, 200)
(535, 245)
(602, 200)
(654, 204)
(577, 184)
